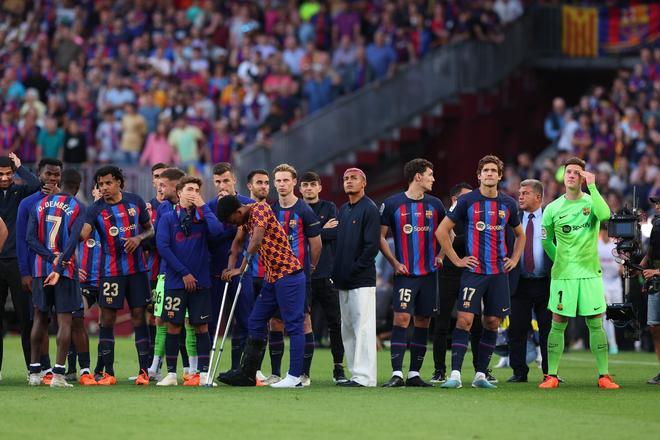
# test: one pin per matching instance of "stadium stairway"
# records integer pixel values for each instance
(453, 135)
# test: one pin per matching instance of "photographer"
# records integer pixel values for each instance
(652, 263)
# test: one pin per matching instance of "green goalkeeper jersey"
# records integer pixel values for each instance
(570, 234)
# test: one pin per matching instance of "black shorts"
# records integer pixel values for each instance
(90, 293)
(179, 301)
(490, 290)
(134, 288)
(64, 297)
(415, 295)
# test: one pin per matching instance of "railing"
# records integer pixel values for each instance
(353, 120)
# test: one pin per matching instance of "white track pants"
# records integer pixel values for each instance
(358, 331)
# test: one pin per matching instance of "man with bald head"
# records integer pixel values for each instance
(354, 275)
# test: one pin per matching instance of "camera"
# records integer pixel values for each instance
(625, 228)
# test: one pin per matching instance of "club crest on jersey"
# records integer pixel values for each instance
(407, 229)
(131, 212)
(501, 213)
(480, 226)
(90, 242)
(586, 211)
(113, 231)
(429, 213)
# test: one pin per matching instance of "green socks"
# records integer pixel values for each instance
(159, 343)
(191, 341)
(556, 345)
(598, 344)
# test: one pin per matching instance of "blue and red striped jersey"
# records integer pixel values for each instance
(485, 221)
(258, 269)
(55, 222)
(413, 224)
(153, 260)
(89, 258)
(299, 223)
(114, 222)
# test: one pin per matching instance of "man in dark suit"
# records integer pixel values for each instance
(530, 284)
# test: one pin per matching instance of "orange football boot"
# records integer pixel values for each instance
(143, 378)
(550, 382)
(87, 380)
(607, 383)
(192, 381)
(107, 380)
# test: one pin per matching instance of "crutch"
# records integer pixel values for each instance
(211, 376)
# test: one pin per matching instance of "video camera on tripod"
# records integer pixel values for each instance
(625, 228)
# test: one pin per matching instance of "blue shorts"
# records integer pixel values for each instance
(197, 304)
(653, 313)
(64, 297)
(484, 293)
(415, 295)
(134, 288)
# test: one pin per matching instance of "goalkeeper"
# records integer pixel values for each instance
(570, 238)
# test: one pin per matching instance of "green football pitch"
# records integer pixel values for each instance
(577, 410)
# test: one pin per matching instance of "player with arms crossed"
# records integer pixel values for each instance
(123, 222)
(485, 212)
(570, 238)
(413, 217)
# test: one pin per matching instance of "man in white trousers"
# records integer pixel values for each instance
(354, 275)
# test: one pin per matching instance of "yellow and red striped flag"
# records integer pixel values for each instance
(579, 31)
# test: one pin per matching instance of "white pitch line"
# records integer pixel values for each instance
(612, 361)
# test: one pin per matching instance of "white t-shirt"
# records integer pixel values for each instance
(611, 274)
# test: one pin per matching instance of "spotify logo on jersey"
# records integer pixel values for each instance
(481, 226)
(114, 231)
(407, 229)
(566, 229)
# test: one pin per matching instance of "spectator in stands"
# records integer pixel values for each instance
(157, 149)
(134, 131)
(508, 10)
(554, 123)
(75, 145)
(186, 140)
(381, 57)
(50, 140)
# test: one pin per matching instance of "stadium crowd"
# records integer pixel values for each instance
(187, 82)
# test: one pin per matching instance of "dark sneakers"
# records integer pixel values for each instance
(237, 378)
(517, 379)
(350, 384)
(417, 382)
(338, 375)
(394, 382)
(489, 377)
(438, 377)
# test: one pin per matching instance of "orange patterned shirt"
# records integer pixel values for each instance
(275, 251)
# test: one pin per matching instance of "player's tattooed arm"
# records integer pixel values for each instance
(519, 245)
(442, 234)
(85, 232)
(399, 268)
(132, 243)
(236, 247)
